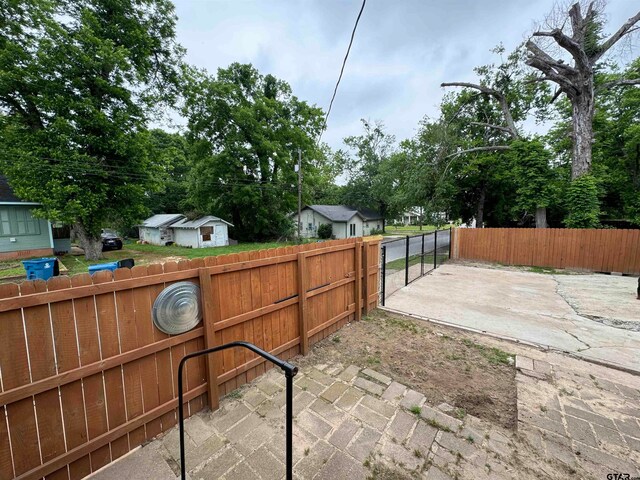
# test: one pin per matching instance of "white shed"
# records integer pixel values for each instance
(157, 230)
(207, 231)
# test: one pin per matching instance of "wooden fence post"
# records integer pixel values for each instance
(210, 314)
(302, 304)
(358, 282)
(365, 279)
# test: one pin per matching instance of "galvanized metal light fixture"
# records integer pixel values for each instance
(177, 308)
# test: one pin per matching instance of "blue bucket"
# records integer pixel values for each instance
(103, 266)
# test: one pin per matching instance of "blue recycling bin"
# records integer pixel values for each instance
(42, 268)
(103, 266)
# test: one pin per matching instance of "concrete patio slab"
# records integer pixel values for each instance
(529, 307)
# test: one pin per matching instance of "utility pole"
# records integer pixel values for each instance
(299, 193)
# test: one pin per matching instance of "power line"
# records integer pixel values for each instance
(76, 166)
(344, 63)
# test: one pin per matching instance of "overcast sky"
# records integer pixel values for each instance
(403, 49)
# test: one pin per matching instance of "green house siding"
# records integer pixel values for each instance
(20, 231)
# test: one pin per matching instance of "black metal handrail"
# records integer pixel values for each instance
(289, 370)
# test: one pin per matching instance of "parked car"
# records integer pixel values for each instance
(110, 241)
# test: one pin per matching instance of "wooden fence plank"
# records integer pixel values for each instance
(358, 284)
(14, 364)
(147, 365)
(110, 347)
(599, 250)
(210, 315)
(6, 465)
(302, 305)
(71, 396)
(42, 360)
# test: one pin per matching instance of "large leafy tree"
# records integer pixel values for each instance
(245, 130)
(488, 116)
(170, 154)
(370, 180)
(78, 81)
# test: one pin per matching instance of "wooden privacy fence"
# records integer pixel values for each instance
(85, 376)
(600, 250)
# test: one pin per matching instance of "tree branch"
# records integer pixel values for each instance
(482, 88)
(620, 83)
(550, 74)
(569, 44)
(487, 148)
(490, 125)
(558, 65)
(613, 39)
(511, 125)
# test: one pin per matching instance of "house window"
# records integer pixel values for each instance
(352, 230)
(18, 221)
(310, 226)
(4, 222)
(206, 233)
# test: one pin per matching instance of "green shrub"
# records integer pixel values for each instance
(375, 231)
(583, 206)
(325, 230)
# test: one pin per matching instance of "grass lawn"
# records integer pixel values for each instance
(141, 254)
(147, 254)
(183, 252)
(412, 229)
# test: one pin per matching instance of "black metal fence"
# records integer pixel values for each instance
(404, 260)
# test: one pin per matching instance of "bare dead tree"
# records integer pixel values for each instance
(576, 80)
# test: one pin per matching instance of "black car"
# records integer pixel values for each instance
(111, 241)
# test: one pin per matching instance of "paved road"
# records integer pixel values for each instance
(397, 248)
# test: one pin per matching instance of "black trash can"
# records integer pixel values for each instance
(126, 263)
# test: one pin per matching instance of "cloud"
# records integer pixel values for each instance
(403, 49)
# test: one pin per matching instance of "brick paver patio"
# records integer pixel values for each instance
(351, 422)
(581, 419)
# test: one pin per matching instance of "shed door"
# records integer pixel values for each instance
(220, 235)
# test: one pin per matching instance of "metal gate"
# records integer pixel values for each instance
(404, 260)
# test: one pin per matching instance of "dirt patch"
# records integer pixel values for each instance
(445, 364)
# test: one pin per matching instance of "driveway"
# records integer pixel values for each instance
(591, 316)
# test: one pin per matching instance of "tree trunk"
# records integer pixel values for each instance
(480, 212)
(583, 108)
(541, 217)
(91, 245)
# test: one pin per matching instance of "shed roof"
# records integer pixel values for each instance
(343, 213)
(198, 222)
(162, 220)
(6, 192)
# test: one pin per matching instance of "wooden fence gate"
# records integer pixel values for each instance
(85, 376)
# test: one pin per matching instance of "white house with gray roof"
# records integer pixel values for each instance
(345, 221)
(170, 228)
